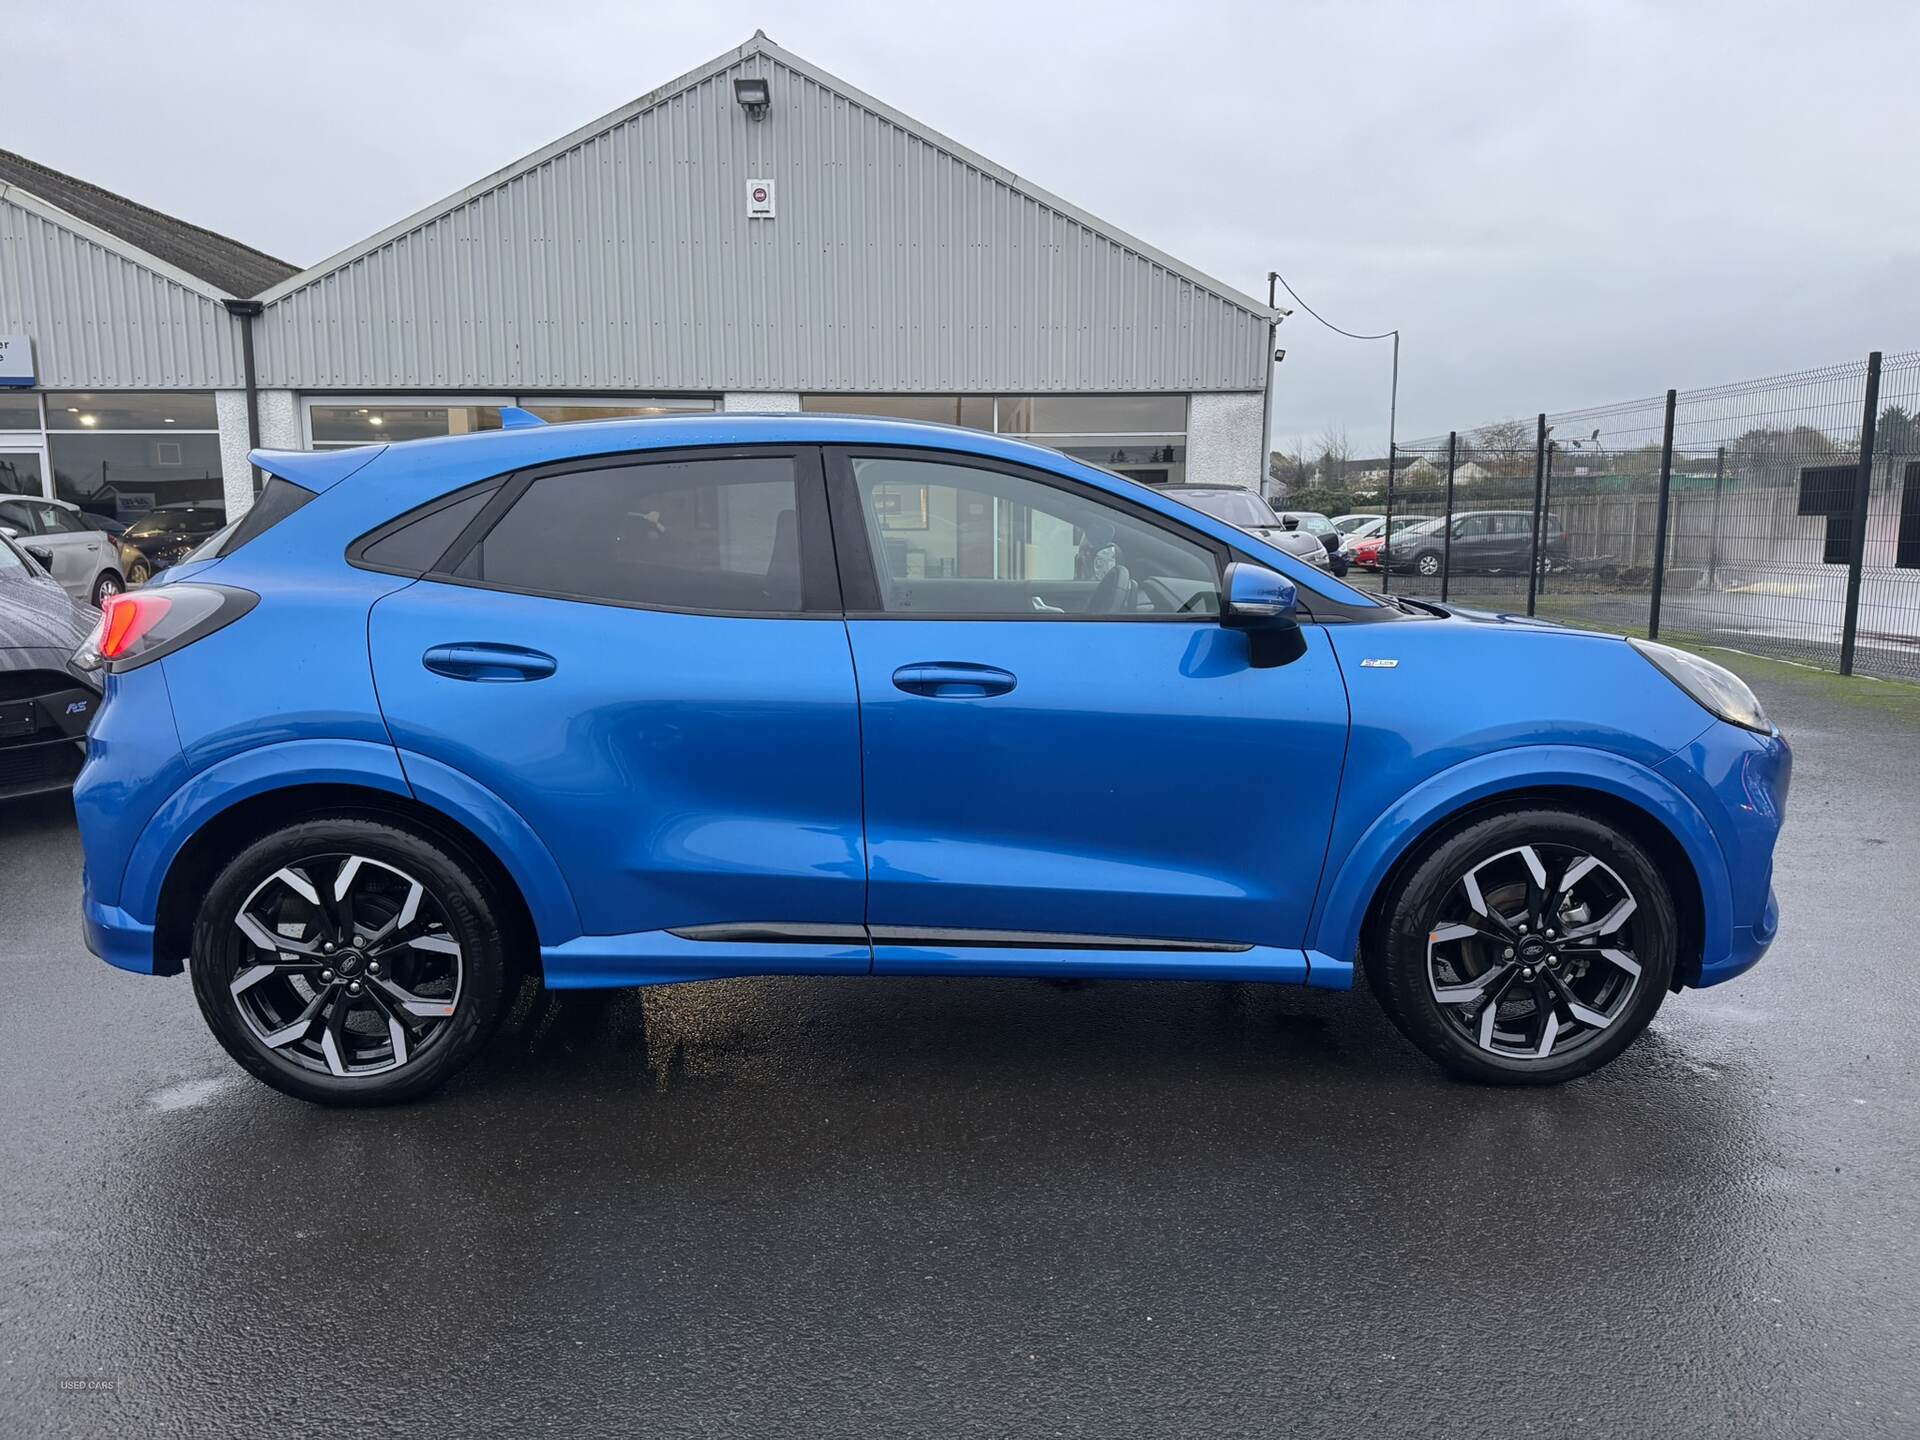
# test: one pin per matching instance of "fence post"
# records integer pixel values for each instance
(1446, 532)
(1857, 537)
(1660, 515)
(1386, 572)
(1539, 484)
(1713, 523)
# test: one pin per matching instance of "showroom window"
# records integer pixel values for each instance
(1140, 436)
(337, 424)
(125, 454)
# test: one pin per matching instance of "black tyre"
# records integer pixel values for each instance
(107, 585)
(1527, 948)
(348, 961)
(139, 573)
(1427, 563)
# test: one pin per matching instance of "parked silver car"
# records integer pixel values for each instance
(1239, 506)
(85, 561)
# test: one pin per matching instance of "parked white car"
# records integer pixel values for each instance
(84, 560)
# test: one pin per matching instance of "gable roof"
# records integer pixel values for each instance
(228, 266)
(760, 46)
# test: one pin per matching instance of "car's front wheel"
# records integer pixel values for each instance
(106, 587)
(1428, 564)
(1527, 948)
(348, 961)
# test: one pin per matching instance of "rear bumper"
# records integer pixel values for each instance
(116, 937)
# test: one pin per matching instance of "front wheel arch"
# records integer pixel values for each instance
(1639, 824)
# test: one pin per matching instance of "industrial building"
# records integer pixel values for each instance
(756, 235)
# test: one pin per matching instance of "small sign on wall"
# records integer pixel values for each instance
(760, 199)
(16, 359)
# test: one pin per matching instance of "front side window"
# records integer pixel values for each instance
(717, 534)
(953, 539)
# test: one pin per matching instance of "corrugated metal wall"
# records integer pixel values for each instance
(628, 263)
(99, 321)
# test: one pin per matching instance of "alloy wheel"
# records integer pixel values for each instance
(1532, 955)
(353, 970)
(1429, 565)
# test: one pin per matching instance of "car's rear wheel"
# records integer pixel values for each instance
(1527, 948)
(348, 961)
(139, 573)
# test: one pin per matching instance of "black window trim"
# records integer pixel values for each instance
(819, 579)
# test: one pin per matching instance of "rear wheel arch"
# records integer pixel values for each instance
(204, 854)
(1635, 821)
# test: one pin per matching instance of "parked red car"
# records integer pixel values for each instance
(1366, 553)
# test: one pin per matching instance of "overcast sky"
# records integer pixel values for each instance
(1558, 204)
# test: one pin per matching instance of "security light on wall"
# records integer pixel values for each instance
(753, 95)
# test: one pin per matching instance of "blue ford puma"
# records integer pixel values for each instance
(667, 699)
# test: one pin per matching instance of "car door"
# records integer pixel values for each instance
(32, 521)
(1472, 542)
(1068, 759)
(643, 657)
(76, 548)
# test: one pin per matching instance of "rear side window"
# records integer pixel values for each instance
(277, 501)
(416, 546)
(718, 534)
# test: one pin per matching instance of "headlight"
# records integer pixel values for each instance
(1714, 686)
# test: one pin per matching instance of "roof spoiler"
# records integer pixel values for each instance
(314, 470)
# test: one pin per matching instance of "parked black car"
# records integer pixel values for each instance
(1240, 507)
(44, 707)
(163, 537)
(1486, 542)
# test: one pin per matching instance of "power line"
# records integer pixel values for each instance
(1351, 335)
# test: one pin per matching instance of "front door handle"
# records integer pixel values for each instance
(952, 680)
(478, 660)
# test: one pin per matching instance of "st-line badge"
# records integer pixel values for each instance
(1379, 664)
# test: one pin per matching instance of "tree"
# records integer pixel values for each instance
(1773, 456)
(1897, 432)
(1506, 447)
(1336, 452)
(1291, 468)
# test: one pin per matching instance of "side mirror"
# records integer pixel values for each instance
(1258, 599)
(10, 532)
(1264, 605)
(1292, 522)
(1332, 541)
(44, 557)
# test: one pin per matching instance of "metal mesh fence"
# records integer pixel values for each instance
(1778, 540)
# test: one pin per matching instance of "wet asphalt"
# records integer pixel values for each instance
(990, 1208)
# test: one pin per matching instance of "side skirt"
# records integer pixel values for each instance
(706, 952)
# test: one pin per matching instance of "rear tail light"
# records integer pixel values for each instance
(143, 625)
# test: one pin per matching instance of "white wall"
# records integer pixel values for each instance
(230, 407)
(1224, 444)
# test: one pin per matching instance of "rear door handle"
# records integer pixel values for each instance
(952, 679)
(478, 660)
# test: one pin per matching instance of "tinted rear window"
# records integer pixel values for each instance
(715, 534)
(279, 500)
